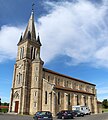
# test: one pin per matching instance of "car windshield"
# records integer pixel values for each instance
(43, 113)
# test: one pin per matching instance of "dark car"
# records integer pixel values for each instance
(43, 115)
(65, 114)
(78, 113)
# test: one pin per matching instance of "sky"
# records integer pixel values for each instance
(74, 37)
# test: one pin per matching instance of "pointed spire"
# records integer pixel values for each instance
(38, 40)
(30, 29)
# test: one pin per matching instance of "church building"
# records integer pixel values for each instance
(35, 88)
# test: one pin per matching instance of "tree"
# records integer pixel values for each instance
(105, 103)
(6, 104)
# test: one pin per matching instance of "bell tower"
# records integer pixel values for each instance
(27, 77)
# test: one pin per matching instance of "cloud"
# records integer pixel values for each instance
(9, 36)
(78, 30)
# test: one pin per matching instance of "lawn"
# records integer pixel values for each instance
(105, 110)
(4, 110)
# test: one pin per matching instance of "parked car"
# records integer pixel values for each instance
(65, 114)
(78, 113)
(43, 115)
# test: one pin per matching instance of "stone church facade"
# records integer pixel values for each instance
(36, 88)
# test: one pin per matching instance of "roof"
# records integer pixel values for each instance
(4, 107)
(30, 29)
(62, 75)
(99, 102)
(72, 90)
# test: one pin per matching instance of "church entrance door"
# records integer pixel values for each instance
(16, 106)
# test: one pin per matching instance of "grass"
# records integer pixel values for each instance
(105, 110)
(4, 110)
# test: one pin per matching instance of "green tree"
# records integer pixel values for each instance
(6, 104)
(105, 103)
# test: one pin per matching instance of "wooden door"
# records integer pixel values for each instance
(16, 106)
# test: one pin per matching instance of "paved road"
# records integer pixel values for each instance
(103, 116)
(15, 117)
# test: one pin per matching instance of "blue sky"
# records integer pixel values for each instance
(74, 35)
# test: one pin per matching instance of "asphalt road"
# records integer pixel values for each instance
(103, 116)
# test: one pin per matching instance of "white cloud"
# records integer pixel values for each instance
(78, 30)
(9, 36)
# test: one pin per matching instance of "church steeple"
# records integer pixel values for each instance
(29, 44)
(30, 29)
(29, 33)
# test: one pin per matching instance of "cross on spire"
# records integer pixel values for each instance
(33, 7)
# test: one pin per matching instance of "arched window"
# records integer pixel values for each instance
(34, 52)
(58, 82)
(85, 100)
(67, 83)
(22, 53)
(19, 78)
(45, 97)
(77, 100)
(68, 99)
(58, 98)
(35, 93)
(31, 53)
(34, 104)
(48, 78)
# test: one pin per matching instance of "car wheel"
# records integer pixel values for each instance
(59, 117)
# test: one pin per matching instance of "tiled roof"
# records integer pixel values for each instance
(62, 75)
(4, 107)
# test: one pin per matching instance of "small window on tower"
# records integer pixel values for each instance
(34, 53)
(36, 68)
(35, 93)
(36, 78)
(22, 53)
(34, 104)
(19, 78)
(31, 52)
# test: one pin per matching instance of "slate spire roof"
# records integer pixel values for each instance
(30, 29)
(30, 33)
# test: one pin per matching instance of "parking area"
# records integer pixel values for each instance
(103, 116)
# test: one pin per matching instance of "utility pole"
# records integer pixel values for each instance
(0, 104)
